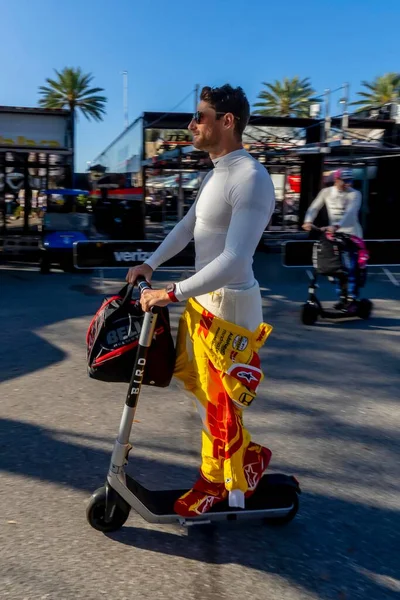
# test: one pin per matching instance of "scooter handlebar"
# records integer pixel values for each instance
(142, 284)
(315, 228)
(318, 230)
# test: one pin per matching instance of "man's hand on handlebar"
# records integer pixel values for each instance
(149, 297)
(330, 228)
(311, 227)
(134, 273)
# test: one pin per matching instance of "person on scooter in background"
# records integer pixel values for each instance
(343, 204)
(222, 328)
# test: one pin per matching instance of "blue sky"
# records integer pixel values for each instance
(168, 47)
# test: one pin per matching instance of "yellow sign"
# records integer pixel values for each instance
(21, 140)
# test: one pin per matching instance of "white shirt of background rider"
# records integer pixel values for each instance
(342, 206)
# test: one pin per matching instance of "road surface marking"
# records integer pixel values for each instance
(391, 277)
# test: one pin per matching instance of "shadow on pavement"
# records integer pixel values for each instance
(312, 552)
(29, 302)
(27, 352)
(334, 548)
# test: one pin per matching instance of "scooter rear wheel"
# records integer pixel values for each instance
(96, 509)
(365, 308)
(45, 266)
(309, 314)
(277, 521)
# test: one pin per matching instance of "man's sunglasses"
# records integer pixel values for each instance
(199, 116)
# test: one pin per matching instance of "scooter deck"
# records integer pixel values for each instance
(275, 491)
(337, 315)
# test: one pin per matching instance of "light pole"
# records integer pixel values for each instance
(196, 96)
(125, 98)
(344, 101)
(327, 120)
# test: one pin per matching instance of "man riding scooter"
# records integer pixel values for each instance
(222, 328)
(343, 204)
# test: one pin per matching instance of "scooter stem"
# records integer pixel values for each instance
(121, 446)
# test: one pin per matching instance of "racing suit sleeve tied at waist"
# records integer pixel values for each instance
(219, 363)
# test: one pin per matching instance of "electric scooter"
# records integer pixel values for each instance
(275, 499)
(313, 310)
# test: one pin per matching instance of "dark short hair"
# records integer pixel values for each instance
(229, 100)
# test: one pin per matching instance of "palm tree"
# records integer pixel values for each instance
(289, 98)
(72, 90)
(382, 90)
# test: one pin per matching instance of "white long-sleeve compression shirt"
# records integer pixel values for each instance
(232, 209)
(343, 208)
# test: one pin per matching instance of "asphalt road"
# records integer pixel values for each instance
(328, 409)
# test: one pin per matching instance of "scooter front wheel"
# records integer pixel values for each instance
(309, 314)
(96, 512)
